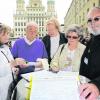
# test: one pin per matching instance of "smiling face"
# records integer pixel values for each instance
(4, 37)
(94, 21)
(31, 32)
(4, 34)
(73, 38)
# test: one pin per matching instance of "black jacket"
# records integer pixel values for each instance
(90, 62)
(47, 43)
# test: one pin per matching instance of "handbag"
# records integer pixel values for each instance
(12, 90)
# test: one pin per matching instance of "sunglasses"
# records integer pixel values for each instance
(96, 19)
(72, 37)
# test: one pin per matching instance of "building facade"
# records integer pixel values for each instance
(34, 11)
(77, 13)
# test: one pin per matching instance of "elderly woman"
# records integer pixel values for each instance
(69, 55)
(30, 49)
(54, 38)
(7, 62)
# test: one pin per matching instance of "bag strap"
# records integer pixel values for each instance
(8, 62)
(62, 48)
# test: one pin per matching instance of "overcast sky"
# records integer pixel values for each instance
(8, 7)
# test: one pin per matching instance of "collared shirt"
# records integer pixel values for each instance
(54, 44)
(27, 41)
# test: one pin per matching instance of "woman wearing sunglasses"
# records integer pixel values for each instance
(69, 55)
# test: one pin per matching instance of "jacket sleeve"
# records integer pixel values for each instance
(96, 81)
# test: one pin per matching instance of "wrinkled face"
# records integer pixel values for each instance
(31, 31)
(4, 38)
(51, 28)
(73, 38)
(94, 21)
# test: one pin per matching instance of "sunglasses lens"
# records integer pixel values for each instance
(73, 37)
(68, 36)
(89, 21)
(96, 19)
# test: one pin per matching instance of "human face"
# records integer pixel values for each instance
(31, 32)
(94, 22)
(52, 29)
(73, 38)
(4, 37)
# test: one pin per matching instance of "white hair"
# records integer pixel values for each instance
(32, 24)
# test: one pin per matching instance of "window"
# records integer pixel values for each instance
(18, 23)
(15, 29)
(15, 23)
(99, 3)
(93, 4)
(18, 29)
(21, 23)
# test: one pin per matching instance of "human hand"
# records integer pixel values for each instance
(21, 62)
(88, 91)
(54, 69)
(15, 70)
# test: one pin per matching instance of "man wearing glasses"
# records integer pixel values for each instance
(90, 62)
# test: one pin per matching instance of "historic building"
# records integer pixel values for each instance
(77, 12)
(34, 11)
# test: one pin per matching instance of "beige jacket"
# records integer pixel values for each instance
(60, 60)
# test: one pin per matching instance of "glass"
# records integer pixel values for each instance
(68, 64)
(96, 19)
(72, 37)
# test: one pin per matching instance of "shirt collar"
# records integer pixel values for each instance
(28, 42)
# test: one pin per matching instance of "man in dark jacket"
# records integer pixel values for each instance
(90, 62)
(54, 38)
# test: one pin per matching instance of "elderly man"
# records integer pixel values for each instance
(29, 49)
(90, 62)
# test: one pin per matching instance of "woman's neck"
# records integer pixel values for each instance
(72, 47)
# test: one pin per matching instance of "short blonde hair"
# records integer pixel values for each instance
(55, 22)
(4, 28)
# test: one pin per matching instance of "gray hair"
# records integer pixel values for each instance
(74, 28)
(32, 24)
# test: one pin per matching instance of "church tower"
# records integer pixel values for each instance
(35, 3)
(19, 19)
(50, 6)
(20, 4)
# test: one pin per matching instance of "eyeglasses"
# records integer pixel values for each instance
(72, 37)
(96, 19)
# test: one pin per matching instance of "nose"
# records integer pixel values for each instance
(92, 23)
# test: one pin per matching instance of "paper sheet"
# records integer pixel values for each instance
(51, 86)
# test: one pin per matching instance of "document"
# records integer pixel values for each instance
(54, 86)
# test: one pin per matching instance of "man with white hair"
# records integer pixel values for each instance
(29, 49)
(90, 62)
